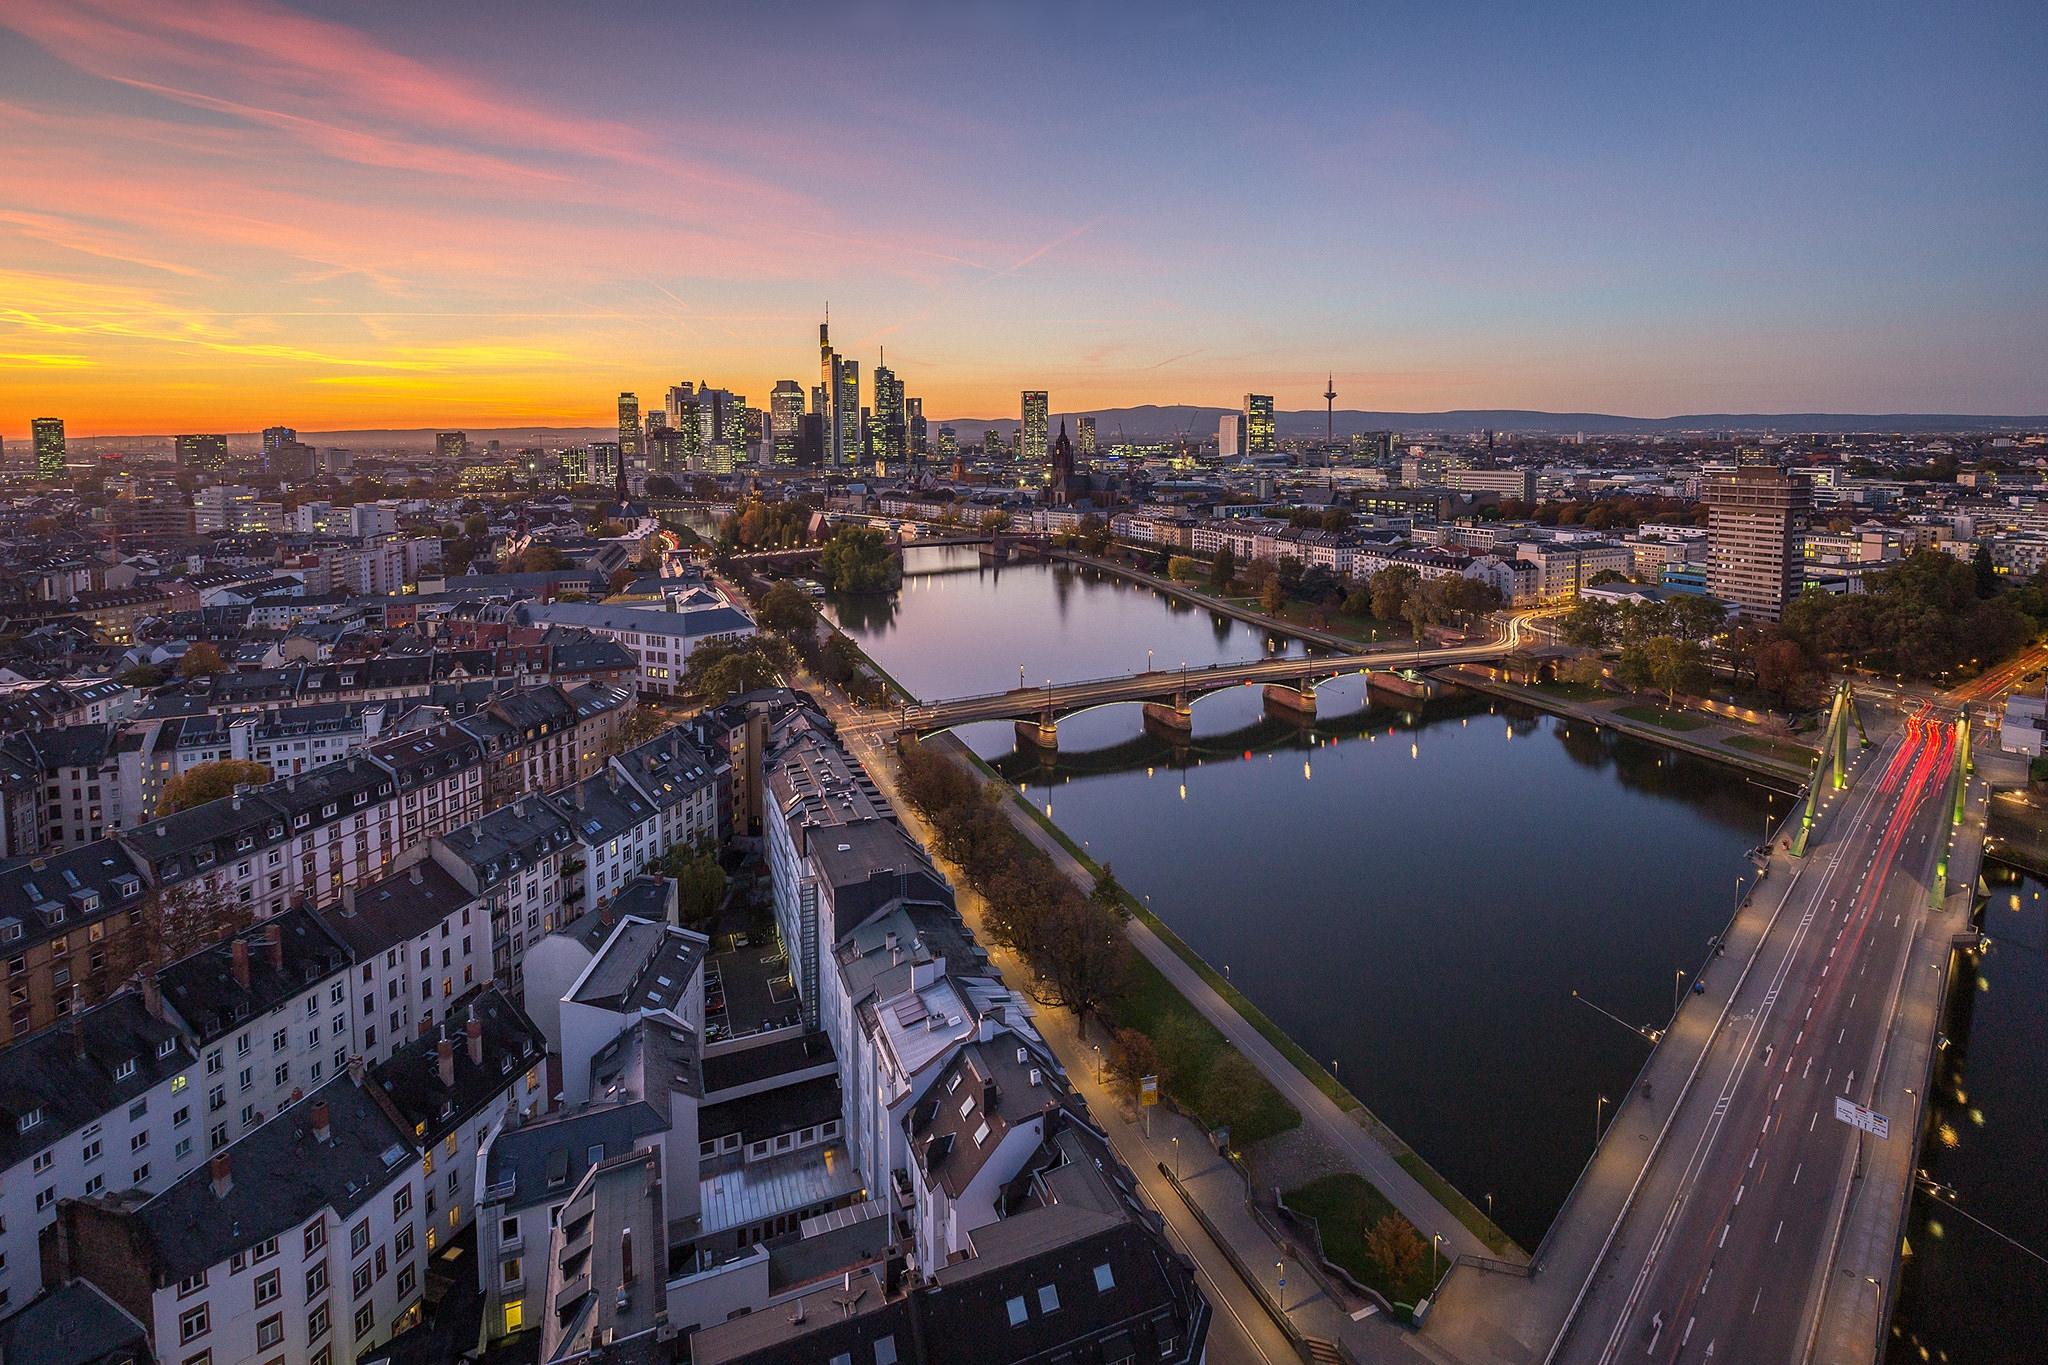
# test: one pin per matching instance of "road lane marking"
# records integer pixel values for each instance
(1802, 1165)
(1779, 1233)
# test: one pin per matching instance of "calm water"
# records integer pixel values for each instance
(1967, 1295)
(1411, 895)
(960, 629)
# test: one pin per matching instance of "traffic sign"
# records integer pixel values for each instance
(1148, 1090)
(1856, 1116)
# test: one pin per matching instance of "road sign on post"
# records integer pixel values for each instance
(1148, 1090)
(1856, 1116)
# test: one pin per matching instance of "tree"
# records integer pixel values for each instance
(201, 660)
(1184, 569)
(176, 921)
(1695, 616)
(1109, 893)
(718, 672)
(1986, 575)
(621, 579)
(700, 883)
(1783, 672)
(1130, 1058)
(1223, 570)
(1676, 666)
(785, 610)
(1081, 954)
(209, 782)
(1396, 1248)
(1272, 597)
(1587, 624)
(141, 676)
(538, 559)
(857, 559)
(1389, 588)
(995, 519)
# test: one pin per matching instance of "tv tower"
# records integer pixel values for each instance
(1330, 414)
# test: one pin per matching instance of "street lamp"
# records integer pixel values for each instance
(1434, 1238)
(1489, 1208)
(1598, 1109)
(1677, 990)
(1280, 1274)
(1176, 1161)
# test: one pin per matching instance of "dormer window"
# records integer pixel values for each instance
(203, 858)
(124, 1069)
(29, 1120)
(245, 842)
(362, 799)
(128, 886)
(329, 810)
(167, 1047)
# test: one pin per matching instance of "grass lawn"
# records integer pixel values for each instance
(1571, 691)
(1784, 750)
(1148, 1000)
(1345, 1207)
(1661, 716)
(1365, 629)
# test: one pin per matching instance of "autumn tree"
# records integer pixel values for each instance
(1129, 1059)
(1393, 1244)
(205, 782)
(201, 660)
(785, 610)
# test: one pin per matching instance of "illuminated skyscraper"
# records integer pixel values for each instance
(847, 436)
(451, 445)
(1031, 433)
(207, 454)
(1230, 436)
(1084, 437)
(785, 420)
(1258, 424)
(273, 437)
(1753, 519)
(914, 425)
(679, 397)
(949, 444)
(889, 428)
(829, 381)
(48, 437)
(629, 429)
(993, 447)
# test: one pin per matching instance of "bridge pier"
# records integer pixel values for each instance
(1294, 703)
(1397, 685)
(1174, 720)
(1041, 733)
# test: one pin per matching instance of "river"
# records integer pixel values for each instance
(1412, 894)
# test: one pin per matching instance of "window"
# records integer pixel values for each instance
(316, 1236)
(508, 1229)
(1018, 1313)
(181, 1116)
(29, 1120)
(1048, 1299)
(316, 1279)
(182, 1150)
(316, 1321)
(406, 1279)
(45, 1197)
(202, 1358)
(515, 1315)
(43, 1160)
(263, 1250)
(401, 1201)
(360, 1281)
(191, 1285)
(193, 1323)
(366, 1319)
(359, 1238)
(403, 1243)
(513, 1274)
(138, 1141)
(1104, 1279)
(885, 1350)
(268, 1287)
(270, 1331)
(139, 1176)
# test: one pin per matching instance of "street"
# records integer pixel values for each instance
(1722, 1254)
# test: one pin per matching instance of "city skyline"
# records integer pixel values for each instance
(230, 214)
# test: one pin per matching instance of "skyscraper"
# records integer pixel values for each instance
(206, 454)
(679, 397)
(1752, 544)
(890, 427)
(1084, 437)
(949, 444)
(847, 438)
(48, 438)
(828, 382)
(785, 420)
(915, 428)
(1230, 435)
(1258, 424)
(1031, 433)
(629, 429)
(273, 437)
(448, 445)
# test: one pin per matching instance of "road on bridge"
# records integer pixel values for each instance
(1722, 1254)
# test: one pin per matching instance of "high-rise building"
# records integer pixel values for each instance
(1230, 435)
(1031, 433)
(846, 437)
(629, 430)
(785, 420)
(273, 437)
(48, 438)
(949, 445)
(1258, 424)
(207, 454)
(680, 396)
(449, 445)
(604, 468)
(914, 425)
(1084, 437)
(888, 426)
(993, 447)
(1753, 513)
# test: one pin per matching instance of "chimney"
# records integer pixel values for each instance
(321, 1131)
(273, 938)
(239, 958)
(445, 1052)
(475, 1029)
(152, 995)
(222, 1169)
(417, 875)
(426, 1027)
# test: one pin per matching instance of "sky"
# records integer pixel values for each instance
(223, 214)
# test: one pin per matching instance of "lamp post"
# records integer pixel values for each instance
(1677, 991)
(1280, 1274)
(1434, 1238)
(1176, 1161)
(1598, 1108)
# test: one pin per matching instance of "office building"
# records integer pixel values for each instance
(451, 445)
(1031, 431)
(273, 437)
(1753, 515)
(1084, 437)
(949, 444)
(629, 430)
(914, 424)
(888, 428)
(1230, 435)
(1258, 424)
(1508, 483)
(846, 437)
(204, 454)
(785, 420)
(48, 435)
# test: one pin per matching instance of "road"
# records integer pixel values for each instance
(1722, 1254)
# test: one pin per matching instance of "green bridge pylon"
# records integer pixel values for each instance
(1958, 791)
(1831, 771)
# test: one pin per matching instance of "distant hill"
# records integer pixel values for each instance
(1153, 422)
